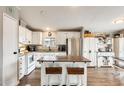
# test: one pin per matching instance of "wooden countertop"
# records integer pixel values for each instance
(65, 59)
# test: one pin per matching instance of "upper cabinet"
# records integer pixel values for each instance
(25, 35)
(28, 36)
(62, 36)
(21, 34)
(45, 38)
(37, 37)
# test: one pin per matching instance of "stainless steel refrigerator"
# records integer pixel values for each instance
(74, 46)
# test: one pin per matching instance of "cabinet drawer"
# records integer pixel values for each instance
(22, 59)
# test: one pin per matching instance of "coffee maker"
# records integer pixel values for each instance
(31, 48)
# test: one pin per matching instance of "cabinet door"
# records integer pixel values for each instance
(37, 37)
(28, 36)
(92, 49)
(93, 59)
(21, 67)
(89, 50)
(40, 41)
(86, 47)
(61, 37)
(22, 34)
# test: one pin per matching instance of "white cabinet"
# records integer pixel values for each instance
(22, 34)
(25, 35)
(21, 66)
(90, 50)
(37, 37)
(28, 36)
(62, 36)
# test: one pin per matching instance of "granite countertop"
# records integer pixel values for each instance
(48, 51)
(65, 59)
(25, 53)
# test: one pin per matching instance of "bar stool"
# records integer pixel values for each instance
(54, 71)
(75, 71)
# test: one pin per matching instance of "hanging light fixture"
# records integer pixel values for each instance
(49, 34)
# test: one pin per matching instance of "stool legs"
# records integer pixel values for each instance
(85, 74)
(80, 80)
(67, 80)
(75, 72)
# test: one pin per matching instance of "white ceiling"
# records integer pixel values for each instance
(93, 18)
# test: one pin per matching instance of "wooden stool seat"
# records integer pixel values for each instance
(75, 70)
(53, 70)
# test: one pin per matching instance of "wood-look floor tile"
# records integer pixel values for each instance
(96, 77)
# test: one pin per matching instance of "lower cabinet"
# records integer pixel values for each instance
(21, 67)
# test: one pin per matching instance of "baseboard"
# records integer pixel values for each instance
(106, 66)
(100, 67)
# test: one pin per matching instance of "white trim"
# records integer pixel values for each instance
(7, 15)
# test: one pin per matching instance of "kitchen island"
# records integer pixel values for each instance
(64, 62)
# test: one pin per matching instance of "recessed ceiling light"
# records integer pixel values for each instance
(118, 20)
(74, 6)
(47, 28)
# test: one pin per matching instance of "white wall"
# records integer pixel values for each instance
(1, 48)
